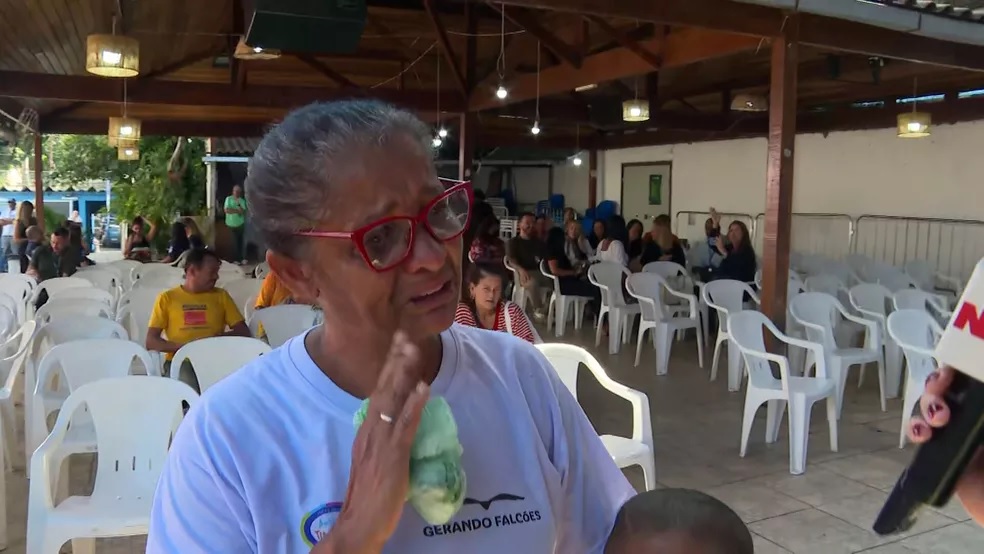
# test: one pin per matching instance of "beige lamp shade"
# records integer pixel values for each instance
(749, 103)
(128, 153)
(123, 131)
(246, 52)
(914, 124)
(635, 110)
(112, 55)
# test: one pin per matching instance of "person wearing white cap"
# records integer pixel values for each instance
(8, 233)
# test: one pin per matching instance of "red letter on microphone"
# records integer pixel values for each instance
(970, 315)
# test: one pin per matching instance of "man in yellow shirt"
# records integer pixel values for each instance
(273, 292)
(194, 310)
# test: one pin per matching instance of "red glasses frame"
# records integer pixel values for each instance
(357, 236)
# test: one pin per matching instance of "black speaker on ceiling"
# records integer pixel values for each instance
(312, 26)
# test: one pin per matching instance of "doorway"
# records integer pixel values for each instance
(646, 190)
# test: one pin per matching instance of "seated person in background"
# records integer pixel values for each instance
(179, 243)
(487, 247)
(597, 233)
(634, 231)
(543, 226)
(138, 243)
(77, 242)
(484, 307)
(49, 260)
(705, 254)
(576, 245)
(194, 310)
(525, 252)
(612, 245)
(273, 292)
(738, 256)
(572, 281)
(678, 521)
(664, 246)
(195, 239)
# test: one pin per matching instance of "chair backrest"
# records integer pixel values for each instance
(135, 418)
(134, 310)
(747, 330)
(607, 276)
(71, 307)
(648, 288)
(675, 275)
(916, 299)
(922, 272)
(8, 319)
(281, 323)
(58, 284)
(545, 270)
(20, 288)
(87, 360)
(13, 352)
(727, 296)
(11, 304)
(566, 359)
(125, 269)
(827, 283)
(242, 290)
(214, 359)
(858, 263)
(819, 309)
(917, 333)
(261, 270)
(160, 279)
(104, 279)
(871, 297)
(90, 293)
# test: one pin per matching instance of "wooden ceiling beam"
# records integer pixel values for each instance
(77, 88)
(525, 19)
(325, 70)
(680, 48)
(445, 42)
(654, 59)
(185, 128)
(763, 21)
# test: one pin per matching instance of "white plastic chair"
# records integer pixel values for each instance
(77, 363)
(917, 333)
(242, 290)
(649, 289)
(562, 305)
(58, 284)
(103, 279)
(892, 277)
(727, 296)
(261, 270)
(928, 278)
(518, 292)
(125, 269)
(142, 271)
(134, 419)
(160, 279)
(90, 293)
(637, 450)
(8, 316)
(679, 279)
(72, 307)
(283, 322)
(873, 301)
(215, 358)
(134, 310)
(916, 299)
(798, 394)
(20, 288)
(607, 276)
(13, 354)
(820, 313)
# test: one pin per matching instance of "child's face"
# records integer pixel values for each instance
(666, 542)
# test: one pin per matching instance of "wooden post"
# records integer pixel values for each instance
(466, 146)
(38, 180)
(592, 178)
(779, 180)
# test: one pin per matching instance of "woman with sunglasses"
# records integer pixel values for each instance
(269, 461)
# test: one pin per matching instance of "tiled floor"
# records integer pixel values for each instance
(696, 423)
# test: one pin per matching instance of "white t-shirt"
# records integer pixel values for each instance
(614, 253)
(261, 464)
(8, 230)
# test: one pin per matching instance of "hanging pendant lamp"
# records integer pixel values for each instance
(635, 110)
(123, 131)
(914, 124)
(112, 55)
(128, 153)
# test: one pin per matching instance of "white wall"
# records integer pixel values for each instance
(853, 172)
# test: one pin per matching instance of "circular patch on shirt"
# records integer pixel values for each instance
(319, 521)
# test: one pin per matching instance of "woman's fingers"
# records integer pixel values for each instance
(934, 410)
(918, 430)
(406, 426)
(939, 381)
(396, 381)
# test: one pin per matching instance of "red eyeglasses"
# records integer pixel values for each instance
(386, 243)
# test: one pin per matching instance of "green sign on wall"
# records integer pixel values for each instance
(655, 189)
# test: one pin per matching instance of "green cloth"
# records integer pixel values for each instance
(231, 219)
(437, 478)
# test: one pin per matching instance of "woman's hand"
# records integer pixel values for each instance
(719, 245)
(380, 475)
(934, 414)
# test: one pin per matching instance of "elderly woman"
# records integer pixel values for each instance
(269, 461)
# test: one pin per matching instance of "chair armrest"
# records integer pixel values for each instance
(641, 428)
(873, 316)
(817, 349)
(691, 299)
(41, 459)
(873, 337)
(956, 283)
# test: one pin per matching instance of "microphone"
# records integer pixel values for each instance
(938, 464)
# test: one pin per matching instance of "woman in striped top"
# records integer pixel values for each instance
(484, 307)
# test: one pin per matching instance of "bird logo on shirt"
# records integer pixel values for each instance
(486, 504)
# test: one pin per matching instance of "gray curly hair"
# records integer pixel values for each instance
(298, 163)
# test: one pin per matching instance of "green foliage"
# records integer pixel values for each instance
(140, 187)
(52, 218)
